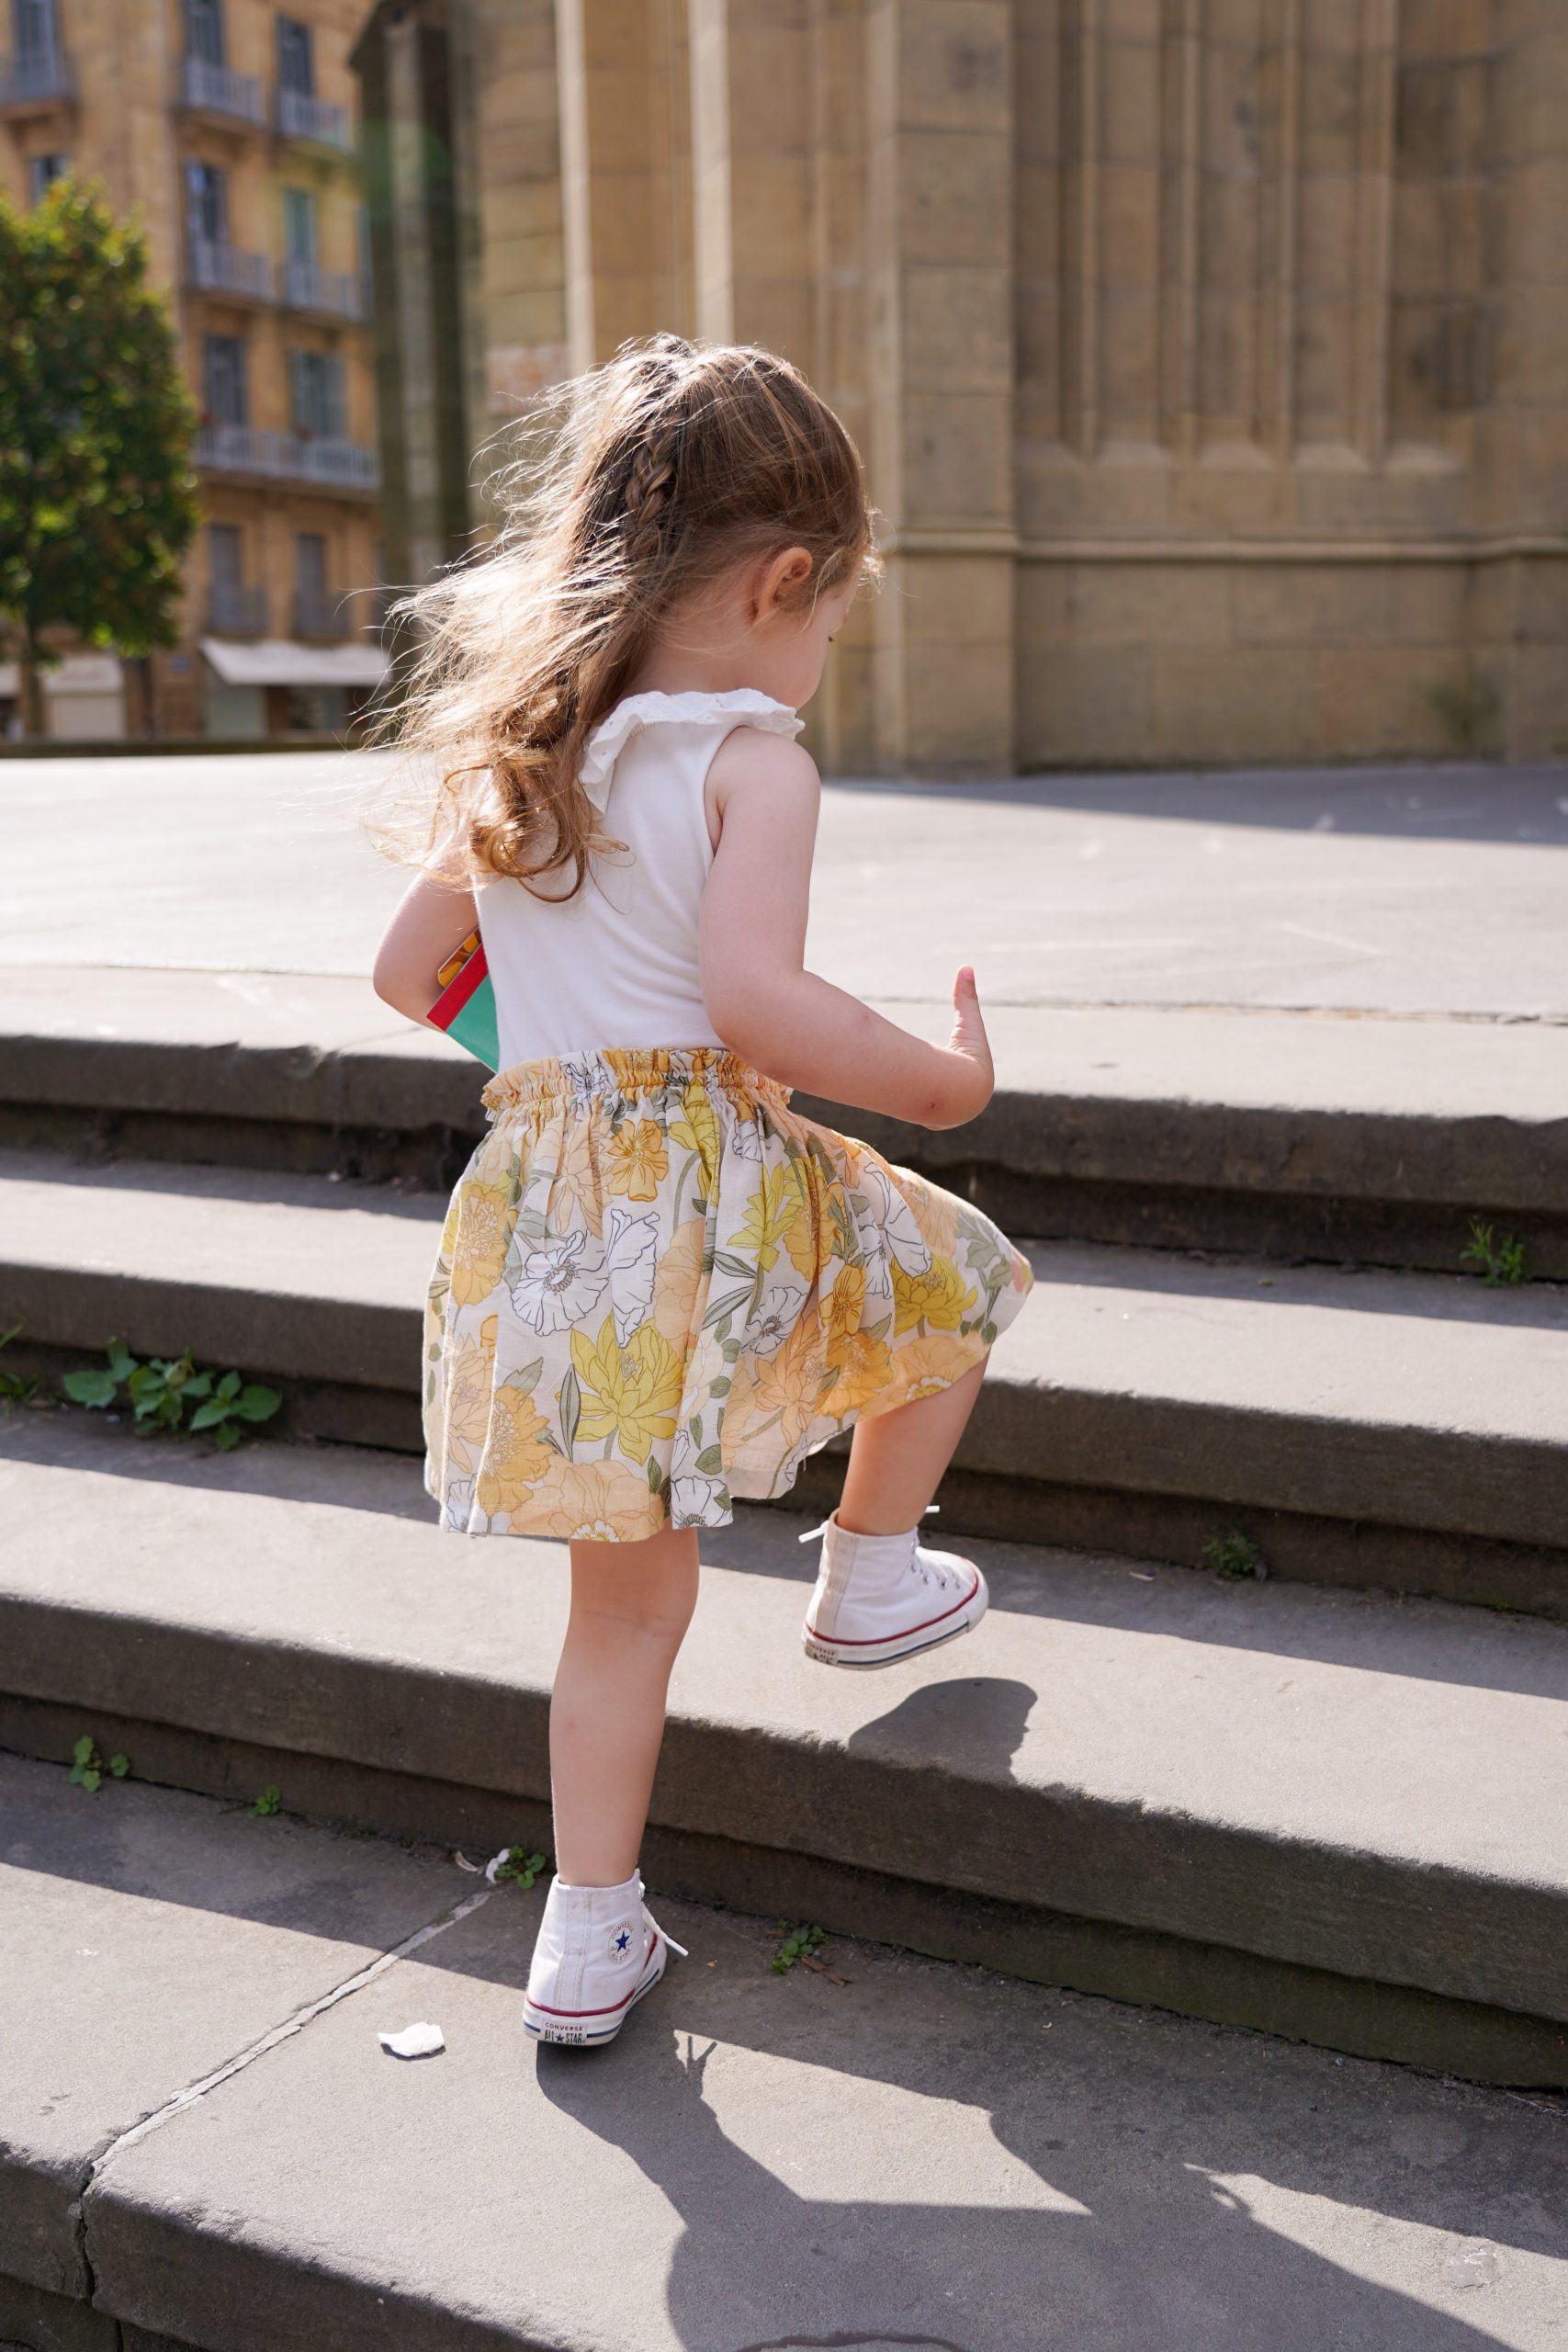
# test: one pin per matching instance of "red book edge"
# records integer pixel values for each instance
(458, 990)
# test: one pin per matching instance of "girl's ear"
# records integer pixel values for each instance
(779, 583)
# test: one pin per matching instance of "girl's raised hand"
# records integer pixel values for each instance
(974, 1078)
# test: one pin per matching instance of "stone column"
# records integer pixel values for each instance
(1521, 594)
(752, 172)
(603, 57)
(939, 86)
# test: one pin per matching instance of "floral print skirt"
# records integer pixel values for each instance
(659, 1288)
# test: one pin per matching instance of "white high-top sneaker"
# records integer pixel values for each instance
(598, 1950)
(881, 1597)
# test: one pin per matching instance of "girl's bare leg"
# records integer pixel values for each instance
(896, 1459)
(631, 1604)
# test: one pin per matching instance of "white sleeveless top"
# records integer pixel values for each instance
(617, 965)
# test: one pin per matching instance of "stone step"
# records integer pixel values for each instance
(1324, 1814)
(1327, 1136)
(1406, 1431)
(923, 2156)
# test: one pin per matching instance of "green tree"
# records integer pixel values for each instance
(98, 499)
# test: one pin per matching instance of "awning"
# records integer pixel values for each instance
(78, 673)
(275, 662)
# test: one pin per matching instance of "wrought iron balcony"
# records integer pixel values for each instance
(33, 80)
(236, 609)
(299, 116)
(331, 293)
(213, 89)
(224, 269)
(321, 614)
(286, 457)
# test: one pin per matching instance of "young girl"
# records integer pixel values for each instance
(658, 1287)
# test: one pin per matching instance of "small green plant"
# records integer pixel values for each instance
(87, 1766)
(170, 1394)
(267, 1804)
(520, 1867)
(17, 1387)
(1498, 1258)
(799, 1943)
(1235, 1556)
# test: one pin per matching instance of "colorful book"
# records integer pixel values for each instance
(466, 1006)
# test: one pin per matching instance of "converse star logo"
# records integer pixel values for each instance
(620, 1941)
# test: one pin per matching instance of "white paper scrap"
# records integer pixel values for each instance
(414, 2042)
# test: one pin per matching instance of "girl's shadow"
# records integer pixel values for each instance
(1129, 2242)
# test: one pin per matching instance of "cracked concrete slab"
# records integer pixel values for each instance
(146, 1939)
(1321, 1779)
(927, 2156)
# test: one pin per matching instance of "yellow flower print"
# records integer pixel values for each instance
(632, 1393)
(769, 1212)
(594, 1503)
(638, 1160)
(865, 1368)
(678, 1281)
(578, 1181)
(937, 1297)
(697, 1130)
(517, 1458)
(812, 1238)
(470, 1378)
(935, 1213)
(484, 1229)
(845, 1310)
(927, 1366)
(789, 1383)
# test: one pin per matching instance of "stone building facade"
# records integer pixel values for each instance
(230, 128)
(1210, 357)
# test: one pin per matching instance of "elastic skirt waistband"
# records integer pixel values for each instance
(612, 1076)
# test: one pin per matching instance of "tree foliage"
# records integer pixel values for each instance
(98, 502)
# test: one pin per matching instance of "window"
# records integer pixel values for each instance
(206, 203)
(32, 22)
(298, 224)
(223, 380)
(42, 172)
(316, 396)
(296, 67)
(204, 31)
(223, 557)
(310, 570)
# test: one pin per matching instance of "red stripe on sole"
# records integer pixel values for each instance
(545, 2011)
(876, 1641)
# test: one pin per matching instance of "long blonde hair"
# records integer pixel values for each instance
(660, 471)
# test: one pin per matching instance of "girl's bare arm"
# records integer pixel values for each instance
(432, 918)
(760, 999)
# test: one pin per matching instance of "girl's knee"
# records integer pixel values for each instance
(648, 1589)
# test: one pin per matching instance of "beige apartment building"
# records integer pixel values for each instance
(1210, 357)
(230, 127)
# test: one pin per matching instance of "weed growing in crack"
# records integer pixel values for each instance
(1236, 1558)
(799, 1943)
(173, 1395)
(87, 1766)
(1498, 1258)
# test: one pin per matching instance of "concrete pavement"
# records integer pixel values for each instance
(1399, 890)
(927, 2156)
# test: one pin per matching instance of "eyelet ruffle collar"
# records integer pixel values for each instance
(744, 707)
